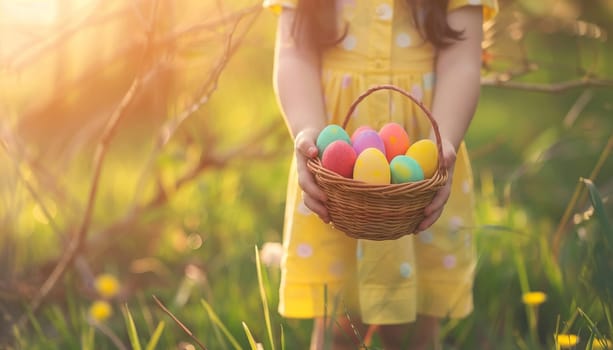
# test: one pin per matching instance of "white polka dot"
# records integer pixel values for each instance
(449, 261)
(428, 80)
(417, 92)
(304, 250)
(349, 42)
(455, 223)
(466, 186)
(337, 268)
(426, 237)
(303, 209)
(384, 12)
(474, 2)
(405, 270)
(403, 40)
(346, 81)
(359, 251)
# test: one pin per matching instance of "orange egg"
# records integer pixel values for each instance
(395, 138)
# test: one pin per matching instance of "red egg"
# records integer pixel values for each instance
(395, 138)
(358, 131)
(368, 139)
(339, 157)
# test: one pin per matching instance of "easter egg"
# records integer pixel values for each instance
(371, 166)
(405, 169)
(368, 139)
(425, 153)
(330, 134)
(395, 138)
(339, 157)
(359, 130)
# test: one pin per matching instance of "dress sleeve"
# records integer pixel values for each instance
(490, 7)
(277, 5)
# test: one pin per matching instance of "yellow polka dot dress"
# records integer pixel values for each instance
(384, 282)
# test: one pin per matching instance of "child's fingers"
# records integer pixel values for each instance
(429, 220)
(305, 145)
(316, 206)
(439, 200)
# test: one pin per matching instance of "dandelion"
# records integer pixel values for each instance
(602, 344)
(107, 285)
(534, 298)
(270, 255)
(100, 310)
(566, 341)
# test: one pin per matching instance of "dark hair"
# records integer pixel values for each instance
(318, 17)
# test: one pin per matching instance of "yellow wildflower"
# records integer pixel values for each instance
(107, 285)
(534, 298)
(602, 344)
(566, 341)
(100, 310)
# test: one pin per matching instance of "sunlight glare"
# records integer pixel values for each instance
(28, 12)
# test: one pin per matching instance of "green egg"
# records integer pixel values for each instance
(405, 169)
(329, 134)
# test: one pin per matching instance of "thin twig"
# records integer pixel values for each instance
(110, 334)
(549, 88)
(202, 97)
(558, 236)
(179, 323)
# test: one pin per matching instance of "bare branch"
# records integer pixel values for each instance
(548, 88)
(179, 323)
(101, 150)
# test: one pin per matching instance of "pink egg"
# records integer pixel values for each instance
(339, 157)
(368, 139)
(358, 131)
(395, 138)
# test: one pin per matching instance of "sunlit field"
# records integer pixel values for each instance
(143, 168)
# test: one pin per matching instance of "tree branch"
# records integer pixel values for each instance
(548, 88)
(101, 150)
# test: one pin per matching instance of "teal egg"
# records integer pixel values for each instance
(330, 134)
(405, 169)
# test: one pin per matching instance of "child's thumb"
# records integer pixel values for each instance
(307, 148)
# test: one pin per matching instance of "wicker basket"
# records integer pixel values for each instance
(378, 212)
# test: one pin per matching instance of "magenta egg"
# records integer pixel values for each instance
(368, 139)
(339, 157)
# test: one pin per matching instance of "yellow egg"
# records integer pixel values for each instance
(371, 166)
(426, 154)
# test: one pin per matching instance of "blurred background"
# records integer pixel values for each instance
(143, 162)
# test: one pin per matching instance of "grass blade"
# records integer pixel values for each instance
(250, 337)
(87, 338)
(132, 333)
(596, 200)
(217, 322)
(264, 299)
(155, 338)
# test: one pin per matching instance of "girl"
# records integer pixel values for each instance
(327, 53)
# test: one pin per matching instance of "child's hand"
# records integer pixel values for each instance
(312, 195)
(434, 210)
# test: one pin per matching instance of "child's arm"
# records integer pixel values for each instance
(297, 82)
(458, 74)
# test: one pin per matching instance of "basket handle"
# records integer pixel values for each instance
(437, 134)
